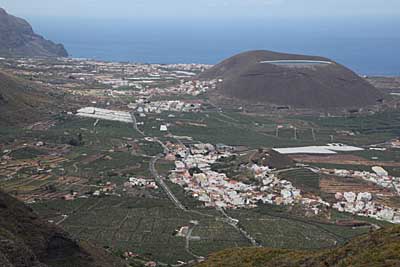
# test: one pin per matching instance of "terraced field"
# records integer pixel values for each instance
(111, 152)
(147, 226)
(144, 226)
(278, 227)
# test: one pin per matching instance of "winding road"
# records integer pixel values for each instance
(135, 124)
(160, 181)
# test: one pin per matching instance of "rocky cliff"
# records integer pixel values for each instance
(17, 38)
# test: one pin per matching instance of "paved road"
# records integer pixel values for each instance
(62, 220)
(187, 245)
(235, 224)
(135, 123)
(165, 148)
(160, 181)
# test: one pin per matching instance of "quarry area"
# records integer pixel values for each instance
(140, 159)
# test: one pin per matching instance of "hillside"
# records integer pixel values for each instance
(378, 249)
(25, 240)
(21, 101)
(291, 80)
(18, 39)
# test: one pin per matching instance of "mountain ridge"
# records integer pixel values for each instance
(17, 38)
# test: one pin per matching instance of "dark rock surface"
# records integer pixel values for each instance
(17, 38)
(28, 241)
(317, 86)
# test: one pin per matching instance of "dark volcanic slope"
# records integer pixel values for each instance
(297, 85)
(20, 101)
(18, 39)
(27, 241)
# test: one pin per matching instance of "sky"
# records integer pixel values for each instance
(203, 9)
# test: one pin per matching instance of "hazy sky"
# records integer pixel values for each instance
(201, 8)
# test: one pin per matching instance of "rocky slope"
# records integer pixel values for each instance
(27, 241)
(256, 77)
(378, 249)
(18, 39)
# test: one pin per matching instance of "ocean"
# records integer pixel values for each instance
(369, 46)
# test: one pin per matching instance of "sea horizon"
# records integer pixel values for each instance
(368, 46)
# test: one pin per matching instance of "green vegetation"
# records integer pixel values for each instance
(304, 179)
(184, 198)
(164, 167)
(26, 153)
(239, 167)
(215, 236)
(222, 129)
(28, 240)
(151, 148)
(113, 164)
(144, 226)
(22, 102)
(390, 155)
(368, 129)
(378, 249)
(287, 227)
(229, 166)
(101, 154)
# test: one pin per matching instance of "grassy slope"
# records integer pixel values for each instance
(20, 101)
(378, 249)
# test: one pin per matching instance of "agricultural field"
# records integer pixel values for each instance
(367, 129)
(304, 179)
(139, 225)
(74, 155)
(280, 227)
(144, 226)
(83, 156)
(236, 128)
(217, 128)
(216, 236)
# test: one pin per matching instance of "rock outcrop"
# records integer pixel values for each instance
(17, 38)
